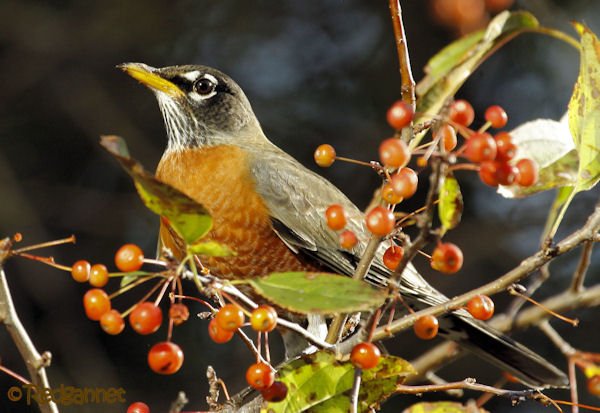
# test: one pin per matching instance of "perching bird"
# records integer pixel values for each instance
(270, 209)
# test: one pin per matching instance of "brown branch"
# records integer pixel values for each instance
(179, 403)
(408, 82)
(588, 232)
(34, 361)
(582, 267)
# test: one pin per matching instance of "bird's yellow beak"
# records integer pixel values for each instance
(146, 75)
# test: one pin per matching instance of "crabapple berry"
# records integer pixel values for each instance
(528, 172)
(165, 358)
(389, 196)
(394, 153)
(392, 257)
(481, 307)
(348, 239)
(447, 258)
(506, 174)
(487, 173)
(179, 313)
(146, 318)
(96, 303)
(400, 114)
(112, 322)
(138, 407)
(481, 147)
(260, 376)
(217, 334)
(380, 221)
(129, 258)
(426, 327)
(448, 136)
(593, 385)
(462, 113)
(275, 393)
(404, 182)
(230, 317)
(506, 146)
(263, 318)
(365, 355)
(80, 271)
(496, 116)
(98, 275)
(336, 217)
(324, 155)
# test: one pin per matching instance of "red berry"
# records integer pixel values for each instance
(80, 271)
(447, 258)
(98, 275)
(217, 334)
(260, 376)
(146, 318)
(392, 257)
(400, 114)
(528, 172)
(96, 303)
(404, 183)
(496, 6)
(112, 322)
(448, 136)
(138, 407)
(365, 355)
(593, 385)
(487, 173)
(462, 113)
(481, 147)
(230, 317)
(506, 174)
(179, 313)
(481, 307)
(496, 116)
(389, 196)
(510, 378)
(263, 318)
(506, 147)
(275, 393)
(348, 239)
(324, 155)
(380, 221)
(336, 217)
(129, 258)
(426, 327)
(165, 358)
(394, 153)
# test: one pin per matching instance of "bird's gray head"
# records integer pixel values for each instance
(201, 106)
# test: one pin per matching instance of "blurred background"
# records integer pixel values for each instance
(315, 72)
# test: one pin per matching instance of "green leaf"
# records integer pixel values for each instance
(317, 293)
(451, 203)
(129, 277)
(188, 218)
(452, 66)
(443, 407)
(211, 249)
(550, 145)
(584, 110)
(320, 383)
(563, 199)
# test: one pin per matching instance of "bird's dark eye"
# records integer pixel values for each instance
(204, 86)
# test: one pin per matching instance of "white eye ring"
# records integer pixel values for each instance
(204, 88)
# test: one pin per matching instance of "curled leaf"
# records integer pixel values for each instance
(451, 203)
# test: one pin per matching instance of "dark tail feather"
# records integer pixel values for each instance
(505, 353)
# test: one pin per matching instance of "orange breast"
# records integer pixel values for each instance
(219, 178)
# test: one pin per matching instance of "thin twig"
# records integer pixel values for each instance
(573, 387)
(582, 267)
(355, 390)
(408, 82)
(179, 403)
(556, 338)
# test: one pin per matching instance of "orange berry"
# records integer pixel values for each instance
(98, 275)
(129, 258)
(80, 271)
(324, 155)
(448, 136)
(348, 239)
(263, 318)
(481, 147)
(506, 147)
(96, 303)
(462, 113)
(179, 313)
(112, 322)
(481, 307)
(394, 153)
(426, 327)
(230, 317)
(165, 358)
(593, 385)
(496, 116)
(528, 172)
(217, 334)
(146, 318)
(380, 221)
(260, 376)
(336, 217)
(447, 258)
(275, 393)
(365, 355)
(487, 173)
(400, 114)
(392, 257)
(405, 182)
(389, 196)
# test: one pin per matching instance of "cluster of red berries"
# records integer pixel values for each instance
(494, 154)
(145, 318)
(260, 376)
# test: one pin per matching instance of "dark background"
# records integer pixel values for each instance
(316, 72)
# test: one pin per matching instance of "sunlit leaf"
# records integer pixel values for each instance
(584, 110)
(320, 383)
(451, 203)
(130, 277)
(211, 249)
(188, 218)
(443, 407)
(321, 293)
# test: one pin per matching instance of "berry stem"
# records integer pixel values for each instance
(155, 262)
(464, 167)
(144, 298)
(163, 290)
(68, 240)
(573, 321)
(14, 375)
(45, 260)
(484, 127)
(354, 161)
(188, 297)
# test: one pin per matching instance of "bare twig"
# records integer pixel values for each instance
(556, 338)
(584, 263)
(34, 361)
(213, 388)
(408, 83)
(355, 391)
(179, 403)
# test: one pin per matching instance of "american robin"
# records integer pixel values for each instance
(270, 208)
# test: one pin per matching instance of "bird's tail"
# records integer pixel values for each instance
(506, 353)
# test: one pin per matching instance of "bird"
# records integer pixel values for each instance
(270, 208)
